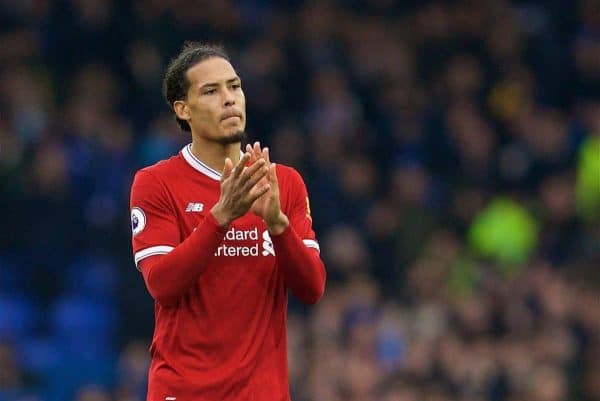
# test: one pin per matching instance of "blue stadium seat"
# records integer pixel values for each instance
(60, 370)
(19, 395)
(12, 277)
(18, 316)
(39, 355)
(91, 276)
(83, 325)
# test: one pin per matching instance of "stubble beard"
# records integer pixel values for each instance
(236, 137)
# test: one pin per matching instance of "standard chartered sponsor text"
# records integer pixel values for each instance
(235, 235)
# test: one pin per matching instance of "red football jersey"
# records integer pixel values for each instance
(224, 338)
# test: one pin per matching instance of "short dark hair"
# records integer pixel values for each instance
(175, 82)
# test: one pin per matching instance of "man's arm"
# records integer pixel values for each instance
(302, 268)
(296, 249)
(169, 276)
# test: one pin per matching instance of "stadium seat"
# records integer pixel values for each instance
(18, 316)
(83, 325)
(92, 277)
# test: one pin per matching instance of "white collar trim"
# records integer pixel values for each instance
(197, 164)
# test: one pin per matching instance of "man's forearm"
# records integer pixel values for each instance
(302, 268)
(170, 276)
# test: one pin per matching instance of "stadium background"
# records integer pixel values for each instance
(451, 151)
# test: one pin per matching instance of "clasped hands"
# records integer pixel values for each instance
(251, 185)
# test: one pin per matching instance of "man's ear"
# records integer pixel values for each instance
(181, 110)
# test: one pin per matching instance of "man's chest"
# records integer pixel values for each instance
(247, 236)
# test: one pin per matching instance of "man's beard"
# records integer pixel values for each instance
(237, 137)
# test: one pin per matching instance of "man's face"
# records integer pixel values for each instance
(215, 106)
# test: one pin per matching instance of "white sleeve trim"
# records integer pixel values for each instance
(153, 250)
(312, 244)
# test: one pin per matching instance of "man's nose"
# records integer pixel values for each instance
(228, 98)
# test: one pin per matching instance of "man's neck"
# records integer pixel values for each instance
(213, 154)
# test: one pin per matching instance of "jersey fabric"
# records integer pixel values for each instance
(220, 293)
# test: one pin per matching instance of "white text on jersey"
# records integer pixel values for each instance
(194, 207)
(233, 235)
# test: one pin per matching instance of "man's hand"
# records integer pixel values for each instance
(268, 206)
(240, 188)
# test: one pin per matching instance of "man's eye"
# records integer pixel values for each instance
(210, 91)
(236, 86)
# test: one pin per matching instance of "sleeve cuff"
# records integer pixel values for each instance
(288, 238)
(211, 221)
(208, 223)
(151, 251)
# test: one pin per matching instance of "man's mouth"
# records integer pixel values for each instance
(231, 116)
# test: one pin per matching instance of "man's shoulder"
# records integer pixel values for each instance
(287, 172)
(160, 171)
(163, 167)
(289, 177)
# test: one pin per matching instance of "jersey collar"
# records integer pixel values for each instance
(198, 165)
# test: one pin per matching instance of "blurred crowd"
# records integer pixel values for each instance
(451, 150)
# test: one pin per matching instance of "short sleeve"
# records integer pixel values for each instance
(299, 212)
(154, 226)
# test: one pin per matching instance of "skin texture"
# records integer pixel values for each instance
(268, 206)
(215, 109)
(215, 93)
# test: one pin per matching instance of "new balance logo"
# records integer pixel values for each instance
(194, 207)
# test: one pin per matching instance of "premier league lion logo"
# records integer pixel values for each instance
(138, 220)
